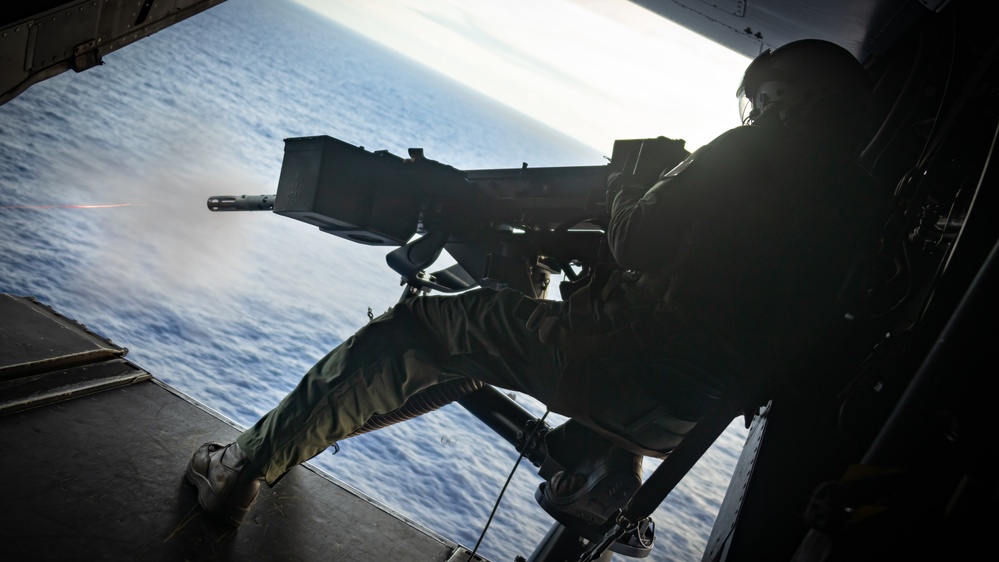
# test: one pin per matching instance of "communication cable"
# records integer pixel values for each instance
(516, 464)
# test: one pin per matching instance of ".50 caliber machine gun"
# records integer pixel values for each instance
(503, 227)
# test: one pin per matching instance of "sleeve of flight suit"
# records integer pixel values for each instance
(648, 225)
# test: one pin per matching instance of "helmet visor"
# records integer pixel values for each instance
(750, 81)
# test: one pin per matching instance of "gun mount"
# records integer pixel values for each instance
(504, 227)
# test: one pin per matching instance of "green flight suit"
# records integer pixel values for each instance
(739, 252)
(480, 334)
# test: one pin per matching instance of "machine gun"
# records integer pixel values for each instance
(504, 227)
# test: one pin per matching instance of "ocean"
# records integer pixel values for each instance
(104, 177)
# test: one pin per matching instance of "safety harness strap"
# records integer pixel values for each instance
(667, 475)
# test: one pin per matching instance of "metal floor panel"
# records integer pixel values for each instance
(34, 339)
(101, 477)
(93, 453)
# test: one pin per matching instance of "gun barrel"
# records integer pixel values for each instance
(241, 203)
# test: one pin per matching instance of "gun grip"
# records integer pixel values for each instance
(417, 255)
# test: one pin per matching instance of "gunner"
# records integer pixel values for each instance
(728, 263)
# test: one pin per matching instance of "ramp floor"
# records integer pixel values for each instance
(99, 475)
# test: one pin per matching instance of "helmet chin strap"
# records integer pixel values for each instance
(769, 116)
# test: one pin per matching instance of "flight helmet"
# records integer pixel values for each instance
(810, 83)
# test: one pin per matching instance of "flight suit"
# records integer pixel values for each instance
(726, 268)
(743, 253)
(418, 343)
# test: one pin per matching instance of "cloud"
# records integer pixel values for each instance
(596, 71)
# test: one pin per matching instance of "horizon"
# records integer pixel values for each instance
(606, 55)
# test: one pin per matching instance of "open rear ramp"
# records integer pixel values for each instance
(94, 467)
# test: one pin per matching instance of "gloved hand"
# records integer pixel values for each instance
(628, 183)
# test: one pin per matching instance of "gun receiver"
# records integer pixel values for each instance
(504, 227)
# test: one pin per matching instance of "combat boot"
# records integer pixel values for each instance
(588, 478)
(595, 489)
(226, 480)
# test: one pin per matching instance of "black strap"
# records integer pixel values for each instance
(668, 474)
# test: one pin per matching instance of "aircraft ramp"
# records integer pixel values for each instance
(93, 451)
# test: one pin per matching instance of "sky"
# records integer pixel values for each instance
(597, 70)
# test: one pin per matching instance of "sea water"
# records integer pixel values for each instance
(104, 177)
